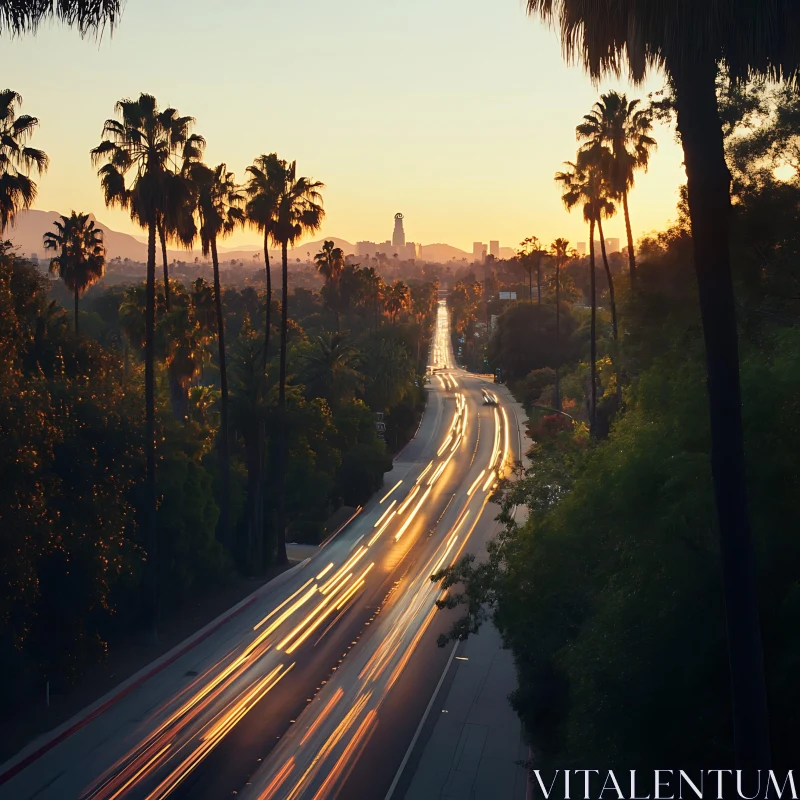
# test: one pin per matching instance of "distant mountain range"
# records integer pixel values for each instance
(30, 226)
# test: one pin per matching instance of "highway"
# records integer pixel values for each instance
(316, 689)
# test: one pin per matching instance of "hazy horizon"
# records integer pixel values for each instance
(458, 115)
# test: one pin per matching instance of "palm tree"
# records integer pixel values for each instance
(250, 411)
(175, 220)
(263, 188)
(598, 158)
(690, 41)
(88, 16)
(529, 256)
(561, 253)
(17, 160)
(625, 129)
(581, 185)
(330, 263)
(396, 298)
(219, 207)
(298, 212)
(332, 369)
(81, 258)
(372, 290)
(139, 149)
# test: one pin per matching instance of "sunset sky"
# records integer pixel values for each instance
(455, 112)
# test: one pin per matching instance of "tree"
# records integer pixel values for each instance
(332, 369)
(175, 220)
(249, 417)
(690, 41)
(396, 297)
(525, 339)
(530, 255)
(262, 189)
(581, 184)
(330, 263)
(298, 212)
(139, 149)
(81, 257)
(219, 208)
(561, 253)
(372, 289)
(17, 160)
(88, 16)
(618, 123)
(597, 158)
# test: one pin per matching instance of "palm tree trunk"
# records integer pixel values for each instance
(150, 604)
(708, 183)
(268, 323)
(611, 300)
(631, 256)
(177, 392)
(558, 335)
(539, 279)
(530, 285)
(76, 312)
(253, 549)
(593, 336)
(224, 452)
(280, 555)
(163, 237)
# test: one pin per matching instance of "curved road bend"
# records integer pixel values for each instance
(335, 664)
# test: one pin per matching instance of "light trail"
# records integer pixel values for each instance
(286, 614)
(310, 616)
(321, 618)
(475, 483)
(278, 608)
(412, 515)
(347, 565)
(506, 446)
(489, 480)
(390, 491)
(382, 518)
(424, 472)
(338, 695)
(379, 532)
(405, 504)
(325, 571)
(435, 476)
(282, 774)
(217, 730)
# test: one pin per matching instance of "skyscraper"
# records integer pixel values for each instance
(581, 248)
(494, 249)
(399, 235)
(612, 245)
(477, 251)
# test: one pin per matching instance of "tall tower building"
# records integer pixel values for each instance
(494, 249)
(399, 235)
(478, 250)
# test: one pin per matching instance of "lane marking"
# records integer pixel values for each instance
(421, 724)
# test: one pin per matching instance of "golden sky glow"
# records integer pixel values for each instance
(455, 112)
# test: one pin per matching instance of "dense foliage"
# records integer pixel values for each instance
(608, 588)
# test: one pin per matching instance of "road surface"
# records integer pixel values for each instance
(315, 690)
